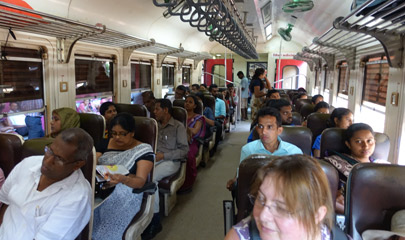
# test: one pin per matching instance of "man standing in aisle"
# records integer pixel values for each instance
(245, 95)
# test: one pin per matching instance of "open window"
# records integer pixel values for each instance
(326, 84)
(94, 82)
(343, 85)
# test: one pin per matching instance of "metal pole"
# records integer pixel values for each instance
(279, 61)
(225, 68)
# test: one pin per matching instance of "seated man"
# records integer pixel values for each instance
(195, 88)
(269, 128)
(172, 146)
(220, 114)
(149, 102)
(109, 111)
(316, 99)
(272, 94)
(47, 197)
(179, 94)
(285, 109)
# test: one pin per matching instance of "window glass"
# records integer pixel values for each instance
(168, 75)
(141, 75)
(343, 83)
(186, 75)
(376, 82)
(93, 77)
(21, 92)
(326, 84)
(91, 105)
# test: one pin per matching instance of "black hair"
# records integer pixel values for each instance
(355, 128)
(258, 72)
(182, 88)
(278, 103)
(81, 139)
(148, 94)
(125, 120)
(165, 103)
(198, 106)
(213, 86)
(204, 85)
(315, 97)
(104, 107)
(240, 73)
(270, 111)
(196, 86)
(337, 113)
(229, 85)
(270, 92)
(302, 90)
(321, 105)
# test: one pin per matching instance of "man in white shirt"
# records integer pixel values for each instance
(245, 94)
(47, 197)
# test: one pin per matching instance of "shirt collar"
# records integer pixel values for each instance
(281, 142)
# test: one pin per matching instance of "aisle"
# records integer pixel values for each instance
(199, 215)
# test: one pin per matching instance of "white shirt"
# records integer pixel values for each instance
(60, 211)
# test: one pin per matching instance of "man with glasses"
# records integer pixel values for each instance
(48, 197)
(172, 146)
(269, 128)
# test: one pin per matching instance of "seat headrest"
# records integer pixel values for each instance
(94, 125)
(299, 136)
(180, 114)
(134, 109)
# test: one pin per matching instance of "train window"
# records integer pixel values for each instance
(325, 85)
(219, 75)
(141, 75)
(186, 75)
(374, 93)
(21, 90)
(343, 85)
(94, 82)
(168, 75)
(317, 79)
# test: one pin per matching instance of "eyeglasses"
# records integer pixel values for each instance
(58, 160)
(274, 208)
(120, 134)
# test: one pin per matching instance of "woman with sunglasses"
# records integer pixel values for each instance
(116, 212)
(291, 200)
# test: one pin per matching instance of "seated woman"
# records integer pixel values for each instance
(291, 200)
(195, 129)
(340, 118)
(63, 118)
(359, 138)
(113, 216)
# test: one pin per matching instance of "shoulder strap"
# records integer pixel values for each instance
(348, 159)
(253, 231)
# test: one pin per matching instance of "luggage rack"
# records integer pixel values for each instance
(379, 28)
(68, 32)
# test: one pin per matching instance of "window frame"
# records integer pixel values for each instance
(346, 72)
(365, 101)
(169, 66)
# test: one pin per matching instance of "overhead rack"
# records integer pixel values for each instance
(68, 32)
(381, 27)
(218, 19)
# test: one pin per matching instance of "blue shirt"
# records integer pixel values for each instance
(257, 147)
(220, 108)
(317, 143)
(245, 84)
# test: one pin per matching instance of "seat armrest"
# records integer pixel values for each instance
(149, 187)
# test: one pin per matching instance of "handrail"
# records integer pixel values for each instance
(220, 78)
(291, 77)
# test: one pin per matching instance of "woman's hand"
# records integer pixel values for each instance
(117, 178)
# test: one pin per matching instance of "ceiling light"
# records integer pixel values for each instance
(218, 55)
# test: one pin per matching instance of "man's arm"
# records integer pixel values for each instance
(182, 145)
(222, 110)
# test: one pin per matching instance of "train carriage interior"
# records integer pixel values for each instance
(200, 54)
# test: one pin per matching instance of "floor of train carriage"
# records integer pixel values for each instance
(199, 214)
